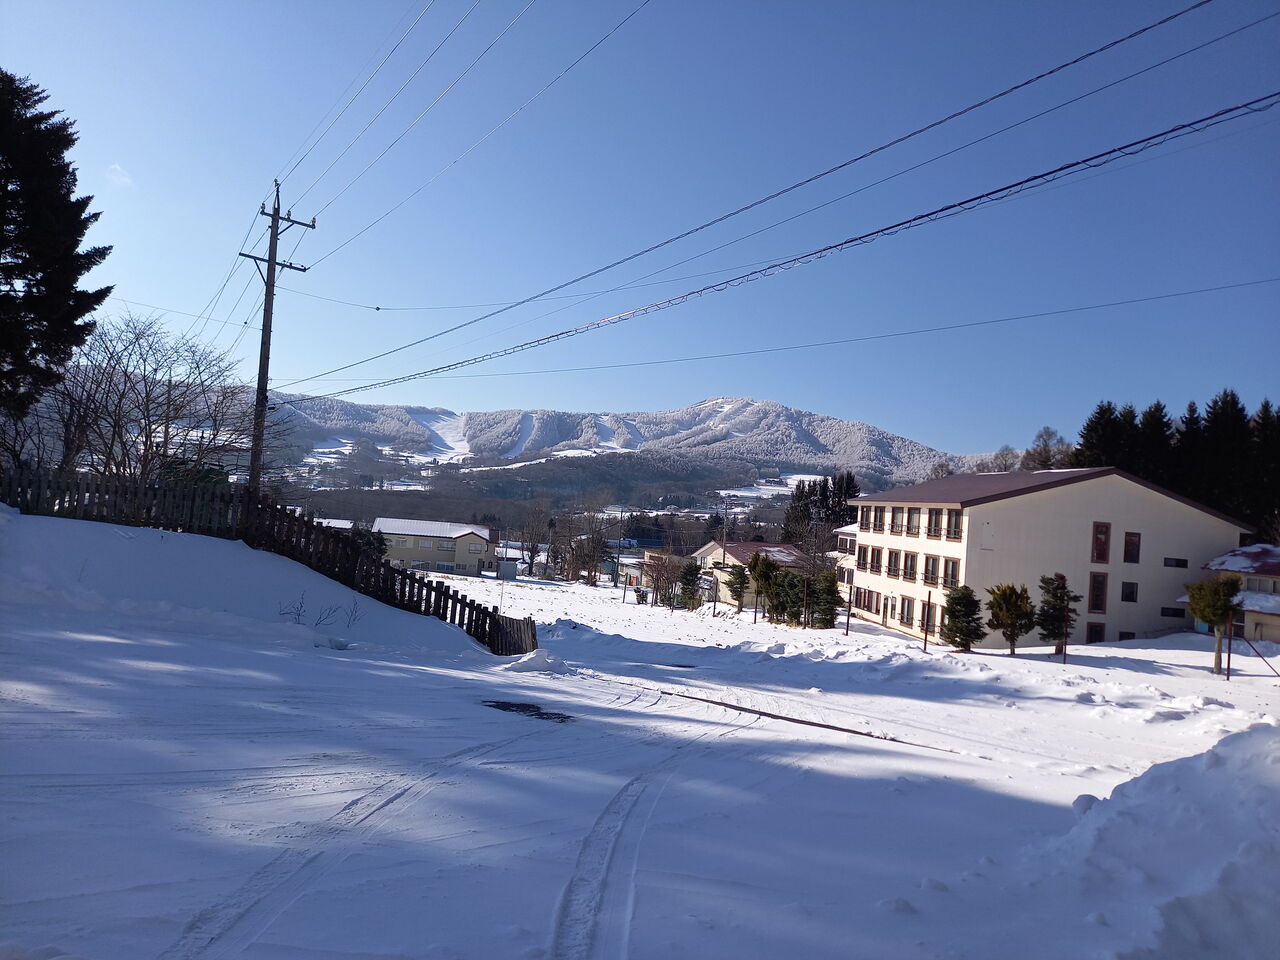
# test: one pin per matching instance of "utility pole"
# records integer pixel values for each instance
(268, 304)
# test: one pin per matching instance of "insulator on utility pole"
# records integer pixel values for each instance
(268, 304)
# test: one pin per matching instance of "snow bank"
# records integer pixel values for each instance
(1182, 861)
(163, 576)
(539, 661)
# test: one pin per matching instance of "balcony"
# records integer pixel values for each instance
(931, 579)
(907, 621)
(892, 572)
(878, 527)
(845, 547)
(895, 528)
(875, 568)
(951, 581)
(862, 565)
(933, 531)
(864, 526)
(909, 576)
(913, 529)
(953, 533)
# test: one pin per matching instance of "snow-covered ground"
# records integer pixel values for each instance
(186, 773)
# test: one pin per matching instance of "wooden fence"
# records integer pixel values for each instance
(228, 512)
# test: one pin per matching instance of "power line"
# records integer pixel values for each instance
(429, 107)
(785, 348)
(465, 153)
(390, 100)
(181, 313)
(369, 79)
(773, 196)
(1129, 149)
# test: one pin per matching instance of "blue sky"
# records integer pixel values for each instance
(187, 111)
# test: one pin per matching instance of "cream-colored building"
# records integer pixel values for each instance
(436, 547)
(1127, 546)
(719, 557)
(1258, 568)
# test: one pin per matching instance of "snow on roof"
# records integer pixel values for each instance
(1254, 601)
(1261, 558)
(336, 524)
(741, 552)
(427, 528)
(849, 528)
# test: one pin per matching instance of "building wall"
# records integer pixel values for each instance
(1051, 531)
(429, 553)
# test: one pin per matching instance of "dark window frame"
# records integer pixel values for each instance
(948, 579)
(933, 523)
(1132, 547)
(1095, 632)
(1128, 591)
(913, 521)
(1100, 544)
(1173, 612)
(1178, 562)
(1096, 578)
(955, 524)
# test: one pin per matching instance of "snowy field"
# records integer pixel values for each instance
(185, 773)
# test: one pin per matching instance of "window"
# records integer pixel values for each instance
(953, 524)
(1097, 593)
(931, 571)
(877, 521)
(906, 608)
(424, 544)
(864, 519)
(1173, 612)
(908, 566)
(895, 525)
(895, 563)
(1095, 632)
(913, 521)
(1127, 635)
(1128, 592)
(846, 575)
(1175, 562)
(951, 573)
(1132, 547)
(928, 612)
(446, 545)
(444, 567)
(845, 544)
(402, 542)
(876, 554)
(935, 522)
(862, 558)
(475, 548)
(1101, 552)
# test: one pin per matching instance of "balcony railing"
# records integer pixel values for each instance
(878, 527)
(913, 529)
(907, 620)
(864, 526)
(953, 533)
(951, 581)
(891, 572)
(895, 528)
(845, 548)
(933, 531)
(862, 565)
(909, 575)
(931, 579)
(875, 568)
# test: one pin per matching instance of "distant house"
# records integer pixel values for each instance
(333, 523)
(431, 545)
(1125, 544)
(719, 557)
(1259, 598)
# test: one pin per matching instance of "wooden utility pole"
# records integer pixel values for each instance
(268, 305)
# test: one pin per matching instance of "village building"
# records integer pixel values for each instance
(437, 547)
(1258, 566)
(1127, 546)
(719, 557)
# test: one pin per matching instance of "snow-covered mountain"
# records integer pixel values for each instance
(759, 431)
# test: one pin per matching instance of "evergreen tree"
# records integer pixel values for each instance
(1055, 616)
(1154, 454)
(1106, 437)
(42, 311)
(844, 488)
(788, 598)
(690, 572)
(1013, 615)
(1228, 445)
(1265, 512)
(1213, 601)
(962, 620)
(764, 571)
(736, 580)
(825, 602)
(797, 521)
(1189, 468)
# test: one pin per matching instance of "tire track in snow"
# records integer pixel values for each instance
(229, 925)
(593, 920)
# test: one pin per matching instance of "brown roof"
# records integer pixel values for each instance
(972, 489)
(785, 554)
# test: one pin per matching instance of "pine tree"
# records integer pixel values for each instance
(690, 572)
(962, 620)
(736, 580)
(1055, 616)
(844, 488)
(825, 602)
(1106, 436)
(42, 310)
(764, 571)
(1265, 511)
(1189, 467)
(1213, 601)
(1154, 454)
(1227, 446)
(1013, 615)
(797, 521)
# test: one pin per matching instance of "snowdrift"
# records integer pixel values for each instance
(167, 576)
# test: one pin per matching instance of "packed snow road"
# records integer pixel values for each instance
(184, 775)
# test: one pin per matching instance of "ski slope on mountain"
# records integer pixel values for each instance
(188, 774)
